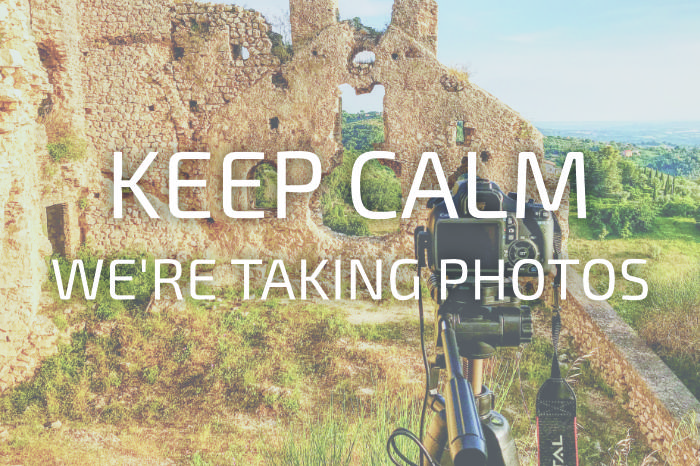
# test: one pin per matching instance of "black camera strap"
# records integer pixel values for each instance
(556, 400)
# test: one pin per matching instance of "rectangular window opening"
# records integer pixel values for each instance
(469, 135)
(460, 133)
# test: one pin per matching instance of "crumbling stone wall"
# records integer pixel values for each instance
(309, 17)
(653, 394)
(171, 77)
(25, 336)
(54, 27)
(166, 76)
(418, 19)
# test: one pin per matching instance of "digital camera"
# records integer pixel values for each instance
(510, 239)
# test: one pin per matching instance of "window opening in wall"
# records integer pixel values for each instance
(151, 108)
(266, 193)
(485, 156)
(45, 106)
(363, 117)
(274, 123)
(460, 133)
(464, 136)
(56, 227)
(362, 130)
(47, 56)
(394, 56)
(364, 57)
(279, 81)
(194, 107)
(469, 135)
(178, 52)
(239, 52)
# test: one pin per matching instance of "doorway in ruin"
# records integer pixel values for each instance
(361, 129)
(56, 227)
(362, 125)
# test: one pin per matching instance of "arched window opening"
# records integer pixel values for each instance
(362, 130)
(364, 57)
(239, 52)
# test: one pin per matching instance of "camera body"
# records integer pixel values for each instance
(510, 239)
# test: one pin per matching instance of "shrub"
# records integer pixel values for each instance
(625, 218)
(67, 148)
(266, 193)
(680, 207)
(340, 219)
(460, 72)
(380, 189)
(280, 49)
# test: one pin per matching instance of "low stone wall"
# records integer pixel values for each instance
(653, 394)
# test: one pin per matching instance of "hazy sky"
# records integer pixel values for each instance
(566, 61)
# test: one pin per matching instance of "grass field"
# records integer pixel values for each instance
(669, 318)
(273, 382)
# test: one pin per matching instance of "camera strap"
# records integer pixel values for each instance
(556, 401)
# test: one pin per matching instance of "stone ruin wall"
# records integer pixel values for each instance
(648, 389)
(167, 77)
(127, 81)
(25, 335)
(159, 75)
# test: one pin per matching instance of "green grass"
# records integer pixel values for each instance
(317, 389)
(351, 433)
(672, 252)
(665, 318)
(67, 148)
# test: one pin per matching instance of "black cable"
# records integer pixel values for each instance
(425, 357)
(391, 445)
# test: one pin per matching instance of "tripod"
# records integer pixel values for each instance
(464, 420)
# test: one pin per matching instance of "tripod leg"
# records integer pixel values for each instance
(435, 439)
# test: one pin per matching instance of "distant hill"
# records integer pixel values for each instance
(640, 133)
